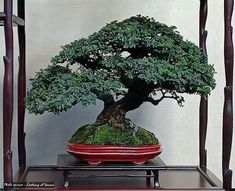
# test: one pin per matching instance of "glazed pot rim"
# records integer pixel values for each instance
(94, 146)
(116, 153)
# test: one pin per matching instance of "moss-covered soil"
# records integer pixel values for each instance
(107, 135)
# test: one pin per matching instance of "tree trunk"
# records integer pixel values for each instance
(115, 114)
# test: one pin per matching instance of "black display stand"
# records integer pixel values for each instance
(71, 174)
(68, 164)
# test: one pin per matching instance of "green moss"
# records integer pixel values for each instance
(107, 135)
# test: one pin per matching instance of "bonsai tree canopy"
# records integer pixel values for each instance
(124, 64)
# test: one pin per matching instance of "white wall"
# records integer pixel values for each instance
(54, 23)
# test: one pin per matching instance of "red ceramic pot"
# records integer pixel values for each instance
(95, 154)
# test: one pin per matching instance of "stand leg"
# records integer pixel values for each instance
(66, 178)
(156, 178)
(148, 178)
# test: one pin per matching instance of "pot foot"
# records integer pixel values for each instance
(94, 162)
(138, 162)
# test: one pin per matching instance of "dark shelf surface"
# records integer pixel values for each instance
(176, 179)
(170, 177)
(65, 161)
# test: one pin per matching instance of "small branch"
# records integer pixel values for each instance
(153, 101)
(173, 95)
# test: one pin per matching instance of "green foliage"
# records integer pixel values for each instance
(114, 60)
(57, 89)
(107, 135)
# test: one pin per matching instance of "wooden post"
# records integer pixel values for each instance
(21, 87)
(203, 111)
(228, 94)
(8, 94)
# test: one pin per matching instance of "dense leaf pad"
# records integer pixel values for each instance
(107, 135)
(139, 59)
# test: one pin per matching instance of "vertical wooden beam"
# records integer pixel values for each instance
(203, 115)
(8, 94)
(21, 87)
(228, 94)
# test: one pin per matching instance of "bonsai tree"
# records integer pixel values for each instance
(124, 64)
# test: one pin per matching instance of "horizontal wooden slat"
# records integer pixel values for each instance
(2, 15)
(17, 21)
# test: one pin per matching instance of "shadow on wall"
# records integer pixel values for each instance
(48, 134)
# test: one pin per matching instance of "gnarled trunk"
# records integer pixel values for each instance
(115, 114)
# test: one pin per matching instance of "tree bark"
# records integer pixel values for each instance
(115, 114)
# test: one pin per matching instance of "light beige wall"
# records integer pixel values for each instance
(51, 23)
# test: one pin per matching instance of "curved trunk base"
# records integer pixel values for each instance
(115, 116)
